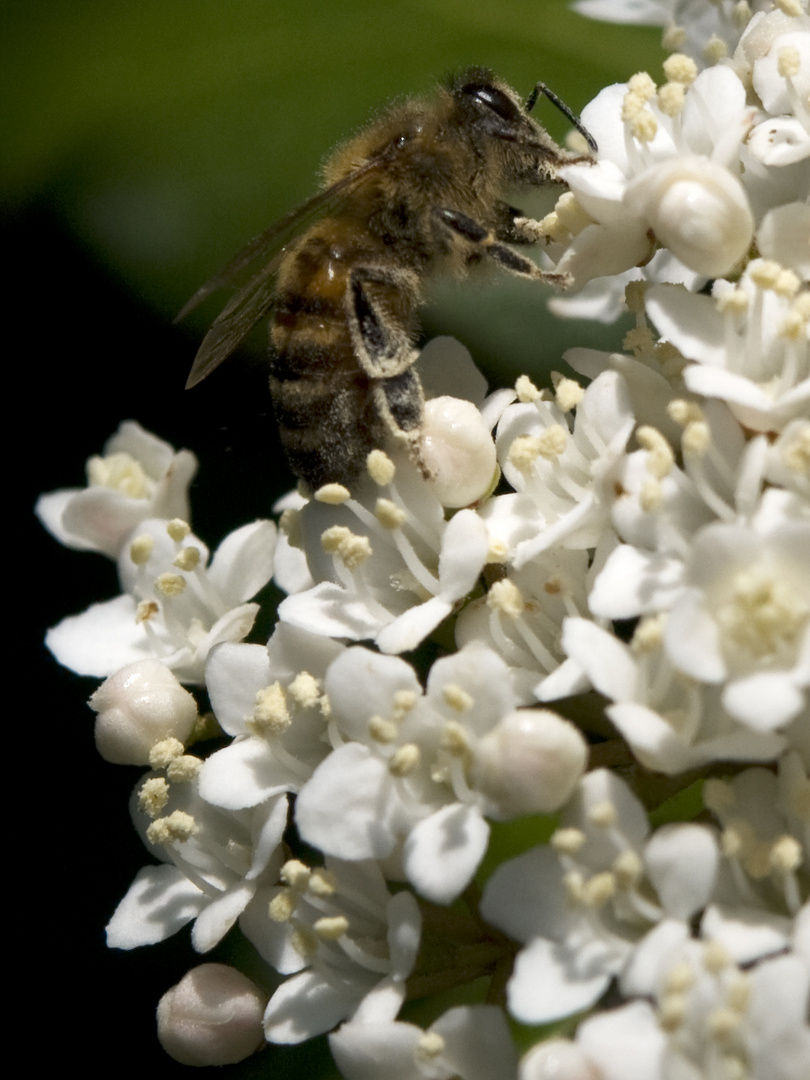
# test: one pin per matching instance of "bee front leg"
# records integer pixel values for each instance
(514, 227)
(486, 241)
(380, 302)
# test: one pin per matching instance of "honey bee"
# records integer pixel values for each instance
(420, 191)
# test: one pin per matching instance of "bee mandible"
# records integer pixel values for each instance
(418, 192)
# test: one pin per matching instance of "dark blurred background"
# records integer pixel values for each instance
(143, 144)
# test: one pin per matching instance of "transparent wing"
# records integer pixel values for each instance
(255, 299)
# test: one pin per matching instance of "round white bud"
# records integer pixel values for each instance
(140, 705)
(213, 1016)
(698, 210)
(458, 449)
(557, 1059)
(529, 763)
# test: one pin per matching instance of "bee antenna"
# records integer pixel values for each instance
(541, 88)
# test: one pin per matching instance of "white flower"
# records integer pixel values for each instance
(581, 904)
(470, 1042)
(138, 476)
(270, 700)
(347, 944)
(173, 607)
(215, 860)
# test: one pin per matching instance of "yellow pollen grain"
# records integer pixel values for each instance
(552, 442)
(790, 7)
(497, 552)
(183, 769)
(680, 978)
(568, 393)
(404, 760)
(792, 327)
(627, 869)
(295, 873)
(651, 497)
(574, 886)
(552, 227)
(764, 615)
(524, 451)
(305, 942)
(331, 928)
(738, 992)
(786, 855)
(322, 882)
(430, 1045)
(634, 293)
(671, 360)
(787, 284)
(722, 1023)
(290, 525)
(649, 635)
(176, 828)
(733, 302)
(120, 472)
(304, 690)
(170, 584)
(166, 751)
(187, 558)
(680, 68)
(714, 50)
(671, 1012)
(602, 815)
(639, 340)
(660, 457)
(178, 529)
(599, 889)
(526, 390)
(457, 698)
(382, 730)
(696, 439)
(389, 515)
(684, 412)
(671, 98)
(403, 702)
(153, 796)
(332, 494)
(505, 598)
(673, 37)
(282, 907)
(765, 272)
(642, 84)
(568, 841)
(270, 713)
(644, 126)
(380, 467)
(146, 610)
(716, 957)
(453, 739)
(141, 548)
(572, 213)
(802, 305)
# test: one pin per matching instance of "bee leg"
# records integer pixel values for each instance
(514, 227)
(486, 241)
(386, 354)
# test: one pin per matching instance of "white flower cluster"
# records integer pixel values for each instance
(605, 592)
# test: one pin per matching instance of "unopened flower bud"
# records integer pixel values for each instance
(213, 1016)
(529, 763)
(698, 210)
(557, 1059)
(140, 705)
(457, 448)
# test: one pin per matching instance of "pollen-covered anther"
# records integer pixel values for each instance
(660, 457)
(506, 598)
(696, 439)
(738, 992)
(526, 390)
(524, 451)
(382, 730)
(651, 497)
(141, 548)
(684, 412)
(649, 635)
(634, 295)
(672, 1012)
(270, 713)
(120, 472)
(568, 393)
(715, 50)
(322, 882)
(671, 98)
(454, 739)
(599, 889)
(764, 272)
(639, 341)
(627, 869)
(282, 907)
(304, 690)
(403, 702)
(332, 494)
(786, 855)
(788, 62)
(178, 529)
(404, 760)
(331, 928)
(572, 214)
(188, 558)
(602, 815)
(296, 874)
(552, 442)
(680, 68)
(679, 979)
(380, 467)
(429, 1047)
(722, 1023)
(176, 828)
(497, 552)
(166, 751)
(290, 524)
(574, 884)
(183, 769)
(673, 37)
(568, 841)
(763, 615)
(794, 8)
(353, 550)
(305, 942)
(793, 327)
(642, 85)
(733, 302)
(716, 957)
(457, 698)
(153, 796)
(389, 515)
(170, 584)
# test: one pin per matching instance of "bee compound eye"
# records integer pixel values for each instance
(494, 99)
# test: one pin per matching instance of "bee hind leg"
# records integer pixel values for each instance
(487, 242)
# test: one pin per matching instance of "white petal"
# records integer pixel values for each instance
(525, 896)
(243, 774)
(642, 975)
(404, 933)
(306, 1005)
(604, 659)
(159, 902)
(216, 919)
(748, 933)
(765, 701)
(478, 1043)
(329, 610)
(626, 1043)
(100, 640)
(243, 562)
(371, 1051)
(412, 627)
(682, 862)
(443, 852)
(552, 980)
(634, 582)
